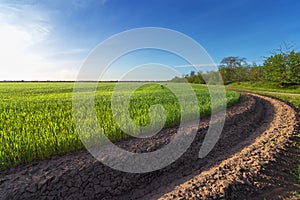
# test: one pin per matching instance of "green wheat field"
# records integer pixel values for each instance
(37, 118)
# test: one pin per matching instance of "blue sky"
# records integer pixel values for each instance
(49, 40)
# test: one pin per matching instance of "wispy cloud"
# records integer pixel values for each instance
(27, 18)
(83, 4)
(69, 52)
(25, 49)
(197, 65)
(21, 27)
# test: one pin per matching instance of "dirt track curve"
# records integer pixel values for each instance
(257, 131)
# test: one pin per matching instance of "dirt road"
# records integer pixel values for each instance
(257, 133)
(242, 176)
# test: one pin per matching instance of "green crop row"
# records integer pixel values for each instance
(36, 119)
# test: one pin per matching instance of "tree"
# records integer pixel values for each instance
(195, 78)
(242, 73)
(212, 77)
(230, 67)
(294, 67)
(233, 61)
(226, 74)
(177, 79)
(283, 66)
(199, 78)
(256, 73)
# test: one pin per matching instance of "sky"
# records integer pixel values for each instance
(50, 40)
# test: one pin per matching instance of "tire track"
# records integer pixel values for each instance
(238, 177)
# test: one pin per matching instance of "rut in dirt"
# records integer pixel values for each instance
(262, 169)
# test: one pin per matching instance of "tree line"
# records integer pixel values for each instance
(283, 66)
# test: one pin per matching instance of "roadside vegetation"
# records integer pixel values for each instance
(290, 95)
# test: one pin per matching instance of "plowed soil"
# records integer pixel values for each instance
(253, 159)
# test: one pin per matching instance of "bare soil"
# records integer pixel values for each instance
(254, 159)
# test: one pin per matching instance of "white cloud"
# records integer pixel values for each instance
(67, 53)
(14, 58)
(66, 74)
(26, 17)
(22, 28)
(197, 65)
(82, 4)
(16, 39)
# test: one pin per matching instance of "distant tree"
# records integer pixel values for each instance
(294, 67)
(232, 61)
(226, 74)
(256, 73)
(283, 66)
(178, 79)
(242, 73)
(212, 77)
(199, 78)
(195, 78)
(230, 67)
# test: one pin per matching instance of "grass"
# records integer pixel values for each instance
(37, 120)
(266, 86)
(270, 89)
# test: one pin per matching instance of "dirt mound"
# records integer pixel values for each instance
(255, 131)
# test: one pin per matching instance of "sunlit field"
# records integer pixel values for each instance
(37, 118)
